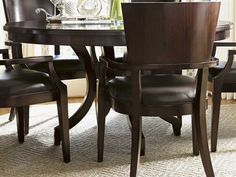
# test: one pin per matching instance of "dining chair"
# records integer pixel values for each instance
(166, 36)
(67, 67)
(222, 78)
(21, 87)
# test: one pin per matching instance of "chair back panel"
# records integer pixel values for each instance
(21, 10)
(167, 33)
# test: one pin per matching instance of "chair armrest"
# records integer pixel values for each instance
(42, 59)
(24, 61)
(114, 64)
(231, 54)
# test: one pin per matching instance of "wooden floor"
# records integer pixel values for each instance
(79, 100)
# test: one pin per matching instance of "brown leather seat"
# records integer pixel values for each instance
(24, 81)
(156, 89)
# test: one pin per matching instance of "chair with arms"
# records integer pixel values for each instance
(21, 87)
(222, 78)
(67, 67)
(166, 36)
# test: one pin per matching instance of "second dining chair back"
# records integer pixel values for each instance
(67, 66)
(168, 41)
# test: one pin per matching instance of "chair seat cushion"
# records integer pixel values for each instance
(24, 81)
(229, 78)
(156, 89)
(65, 68)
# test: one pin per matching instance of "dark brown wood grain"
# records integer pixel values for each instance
(42, 33)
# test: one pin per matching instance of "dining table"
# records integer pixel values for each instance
(83, 38)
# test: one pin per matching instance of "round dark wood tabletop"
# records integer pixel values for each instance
(223, 30)
(47, 33)
(89, 35)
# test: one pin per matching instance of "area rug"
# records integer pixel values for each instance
(166, 155)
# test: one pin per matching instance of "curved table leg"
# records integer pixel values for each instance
(83, 54)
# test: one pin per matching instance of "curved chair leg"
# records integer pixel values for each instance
(194, 137)
(200, 123)
(199, 111)
(136, 145)
(12, 114)
(103, 110)
(62, 106)
(142, 138)
(216, 100)
(101, 131)
(201, 132)
(20, 123)
(136, 121)
(96, 100)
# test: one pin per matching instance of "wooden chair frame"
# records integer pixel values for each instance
(217, 86)
(22, 101)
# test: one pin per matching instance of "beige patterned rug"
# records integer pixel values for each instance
(166, 155)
